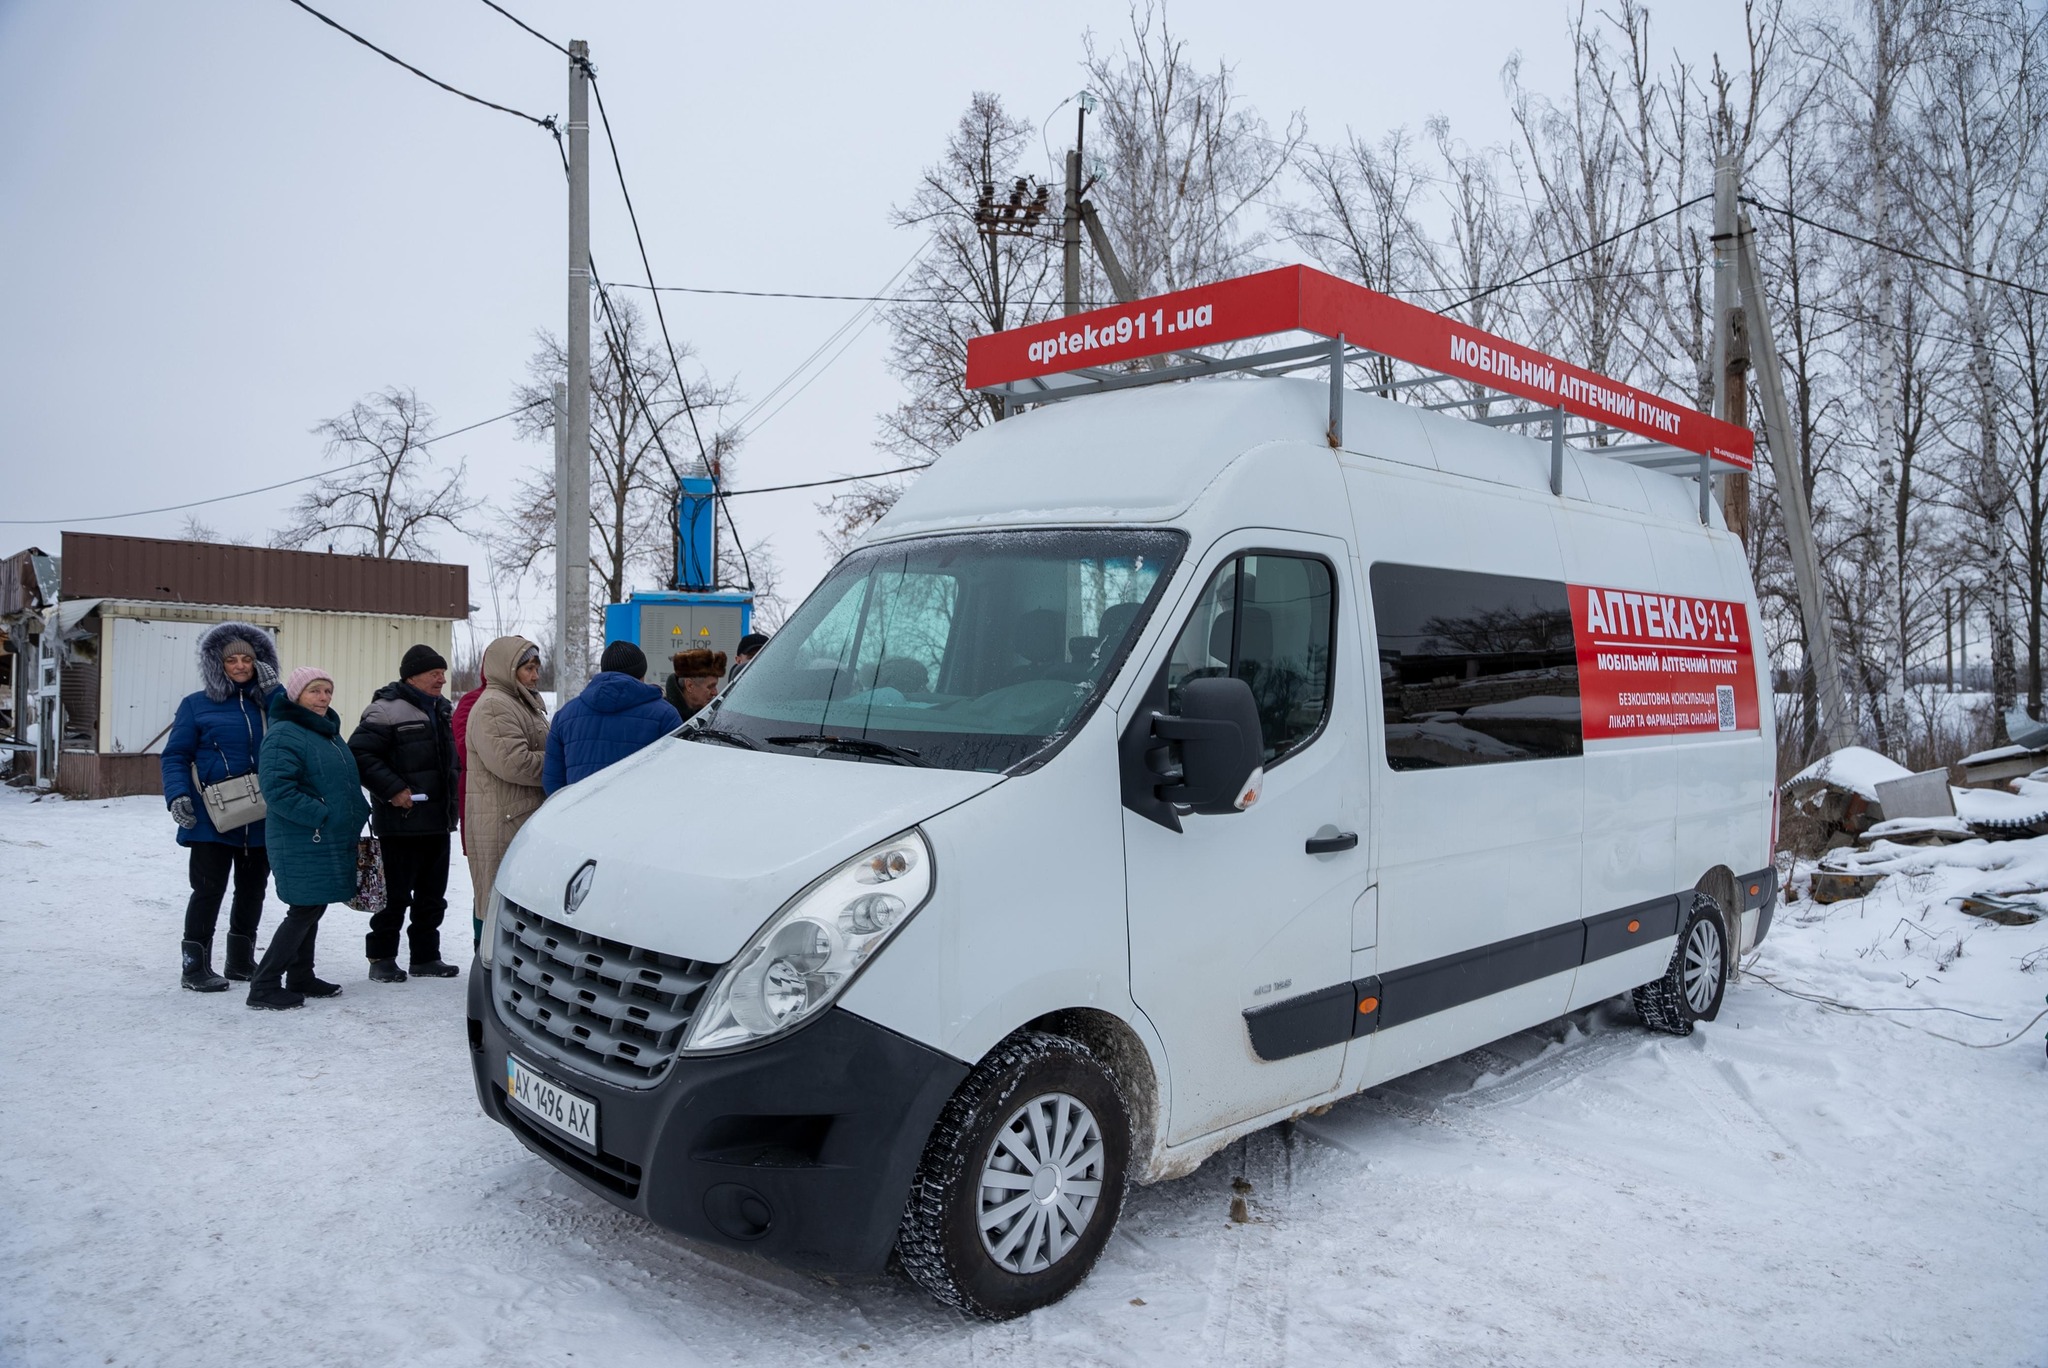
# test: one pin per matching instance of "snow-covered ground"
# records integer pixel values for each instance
(184, 1181)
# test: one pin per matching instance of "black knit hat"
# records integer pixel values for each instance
(420, 659)
(623, 657)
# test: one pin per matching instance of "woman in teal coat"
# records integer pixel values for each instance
(316, 812)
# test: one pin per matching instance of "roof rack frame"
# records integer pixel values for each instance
(1044, 363)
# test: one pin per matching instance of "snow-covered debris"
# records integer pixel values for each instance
(1853, 769)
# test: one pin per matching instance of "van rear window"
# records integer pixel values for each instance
(1474, 669)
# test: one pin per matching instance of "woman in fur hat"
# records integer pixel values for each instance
(217, 735)
(508, 748)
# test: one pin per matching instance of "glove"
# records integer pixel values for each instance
(266, 675)
(182, 813)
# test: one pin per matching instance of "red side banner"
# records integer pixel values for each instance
(1298, 298)
(1655, 665)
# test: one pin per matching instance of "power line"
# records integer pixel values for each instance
(682, 387)
(530, 28)
(814, 484)
(264, 489)
(1905, 252)
(856, 324)
(1098, 303)
(1574, 256)
(547, 123)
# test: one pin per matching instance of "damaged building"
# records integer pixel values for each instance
(101, 641)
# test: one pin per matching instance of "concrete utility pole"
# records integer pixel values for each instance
(1731, 347)
(572, 495)
(1838, 721)
(562, 526)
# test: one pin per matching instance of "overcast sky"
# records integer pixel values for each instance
(225, 221)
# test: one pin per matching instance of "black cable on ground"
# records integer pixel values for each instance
(548, 123)
(1852, 1009)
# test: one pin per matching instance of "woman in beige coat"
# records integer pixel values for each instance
(508, 745)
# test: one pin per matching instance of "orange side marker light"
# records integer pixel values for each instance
(1634, 927)
(1367, 1006)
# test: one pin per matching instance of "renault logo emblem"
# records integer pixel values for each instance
(579, 887)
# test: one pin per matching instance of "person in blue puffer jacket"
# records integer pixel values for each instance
(617, 714)
(218, 732)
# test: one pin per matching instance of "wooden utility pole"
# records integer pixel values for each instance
(1731, 343)
(1838, 721)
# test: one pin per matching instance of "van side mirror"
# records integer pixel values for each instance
(1220, 743)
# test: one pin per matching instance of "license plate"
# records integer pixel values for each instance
(563, 1111)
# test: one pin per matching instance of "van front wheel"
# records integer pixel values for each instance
(1691, 988)
(1021, 1180)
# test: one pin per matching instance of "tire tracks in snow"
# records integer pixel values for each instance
(1248, 1287)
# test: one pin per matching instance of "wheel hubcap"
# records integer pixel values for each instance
(1702, 965)
(1041, 1183)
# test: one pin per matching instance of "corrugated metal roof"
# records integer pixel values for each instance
(100, 566)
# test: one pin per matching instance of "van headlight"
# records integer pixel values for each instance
(488, 937)
(810, 950)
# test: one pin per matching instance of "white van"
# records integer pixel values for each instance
(1154, 772)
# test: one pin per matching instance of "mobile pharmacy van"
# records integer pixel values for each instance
(1173, 759)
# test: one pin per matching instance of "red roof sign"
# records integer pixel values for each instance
(1298, 298)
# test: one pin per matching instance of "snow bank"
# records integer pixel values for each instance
(183, 1181)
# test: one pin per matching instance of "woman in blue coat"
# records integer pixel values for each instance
(218, 732)
(316, 812)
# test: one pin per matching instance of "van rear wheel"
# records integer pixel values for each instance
(1692, 986)
(1021, 1181)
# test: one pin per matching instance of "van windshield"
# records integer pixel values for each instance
(972, 651)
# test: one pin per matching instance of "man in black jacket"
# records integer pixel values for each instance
(405, 749)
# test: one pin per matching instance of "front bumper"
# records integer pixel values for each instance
(801, 1150)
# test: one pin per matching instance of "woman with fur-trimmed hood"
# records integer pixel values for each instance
(217, 735)
(508, 747)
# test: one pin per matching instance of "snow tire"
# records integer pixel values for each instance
(940, 1243)
(1665, 1005)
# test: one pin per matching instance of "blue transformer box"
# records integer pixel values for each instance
(664, 621)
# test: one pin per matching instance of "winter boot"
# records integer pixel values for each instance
(241, 960)
(386, 971)
(274, 998)
(434, 968)
(198, 972)
(299, 977)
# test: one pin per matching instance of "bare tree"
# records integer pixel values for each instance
(1360, 218)
(1186, 159)
(641, 446)
(965, 283)
(389, 495)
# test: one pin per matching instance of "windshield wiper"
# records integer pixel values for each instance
(857, 745)
(731, 738)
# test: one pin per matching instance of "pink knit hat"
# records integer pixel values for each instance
(295, 683)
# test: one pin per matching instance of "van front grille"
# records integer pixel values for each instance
(606, 1009)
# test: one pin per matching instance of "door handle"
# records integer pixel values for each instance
(1330, 845)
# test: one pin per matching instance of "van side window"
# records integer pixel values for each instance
(1475, 669)
(1265, 619)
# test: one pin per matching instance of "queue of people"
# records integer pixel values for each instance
(261, 786)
